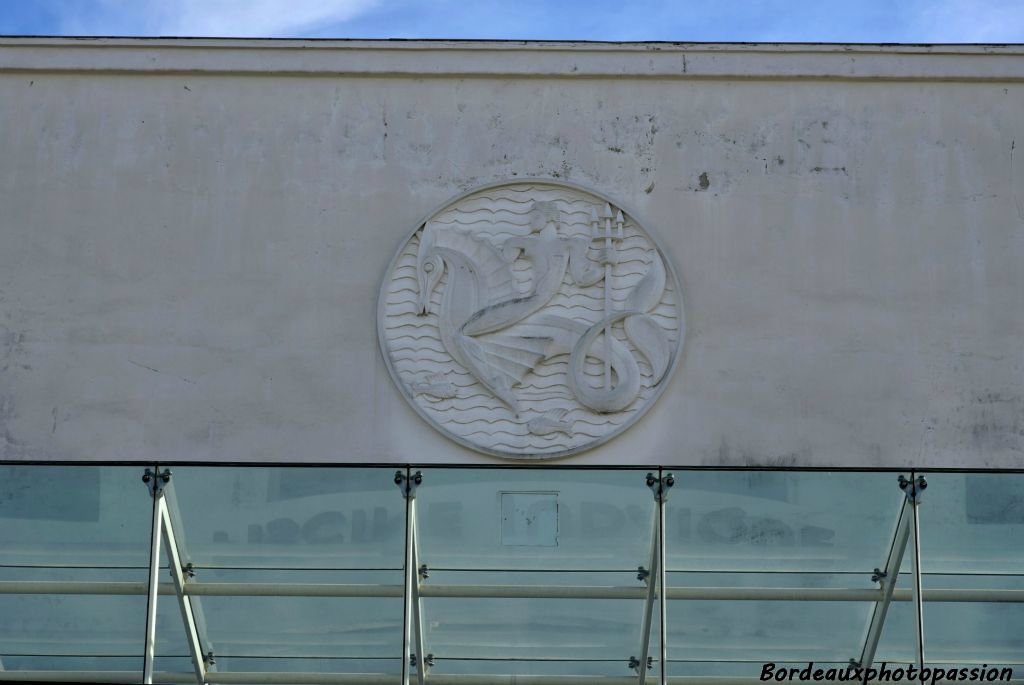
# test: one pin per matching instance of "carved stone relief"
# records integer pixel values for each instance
(530, 320)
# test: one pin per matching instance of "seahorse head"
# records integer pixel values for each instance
(429, 267)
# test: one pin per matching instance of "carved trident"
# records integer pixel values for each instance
(609, 258)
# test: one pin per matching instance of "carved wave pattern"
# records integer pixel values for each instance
(474, 414)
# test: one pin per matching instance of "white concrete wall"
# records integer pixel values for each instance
(192, 237)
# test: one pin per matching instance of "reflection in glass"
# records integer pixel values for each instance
(88, 516)
(973, 523)
(972, 537)
(77, 524)
(535, 519)
(780, 521)
(535, 528)
(522, 571)
(774, 529)
(275, 527)
(274, 517)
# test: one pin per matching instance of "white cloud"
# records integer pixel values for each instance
(228, 18)
(262, 17)
(969, 21)
(927, 21)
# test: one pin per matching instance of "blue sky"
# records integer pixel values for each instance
(904, 21)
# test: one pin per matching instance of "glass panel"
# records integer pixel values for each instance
(296, 517)
(813, 531)
(766, 631)
(130, 665)
(73, 524)
(535, 666)
(534, 628)
(969, 632)
(721, 630)
(495, 519)
(538, 528)
(275, 528)
(746, 669)
(288, 628)
(973, 523)
(86, 516)
(781, 521)
(310, 665)
(972, 538)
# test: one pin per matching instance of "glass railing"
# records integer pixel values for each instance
(542, 576)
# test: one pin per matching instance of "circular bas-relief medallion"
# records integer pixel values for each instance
(530, 320)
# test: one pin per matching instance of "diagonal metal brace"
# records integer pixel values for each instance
(163, 531)
(179, 578)
(888, 576)
(418, 576)
(653, 575)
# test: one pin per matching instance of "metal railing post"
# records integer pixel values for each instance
(652, 578)
(407, 483)
(914, 487)
(666, 481)
(423, 660)
(155, 482)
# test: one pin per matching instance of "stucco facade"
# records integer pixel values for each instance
(194, 234)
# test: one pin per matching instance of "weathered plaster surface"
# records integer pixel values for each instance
(190, 259)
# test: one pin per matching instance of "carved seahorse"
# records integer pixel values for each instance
(479, 280)
(481, 297)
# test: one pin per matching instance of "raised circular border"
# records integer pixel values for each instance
(547, 456)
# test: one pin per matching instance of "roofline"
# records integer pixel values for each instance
(443, 58)
(505, 43)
